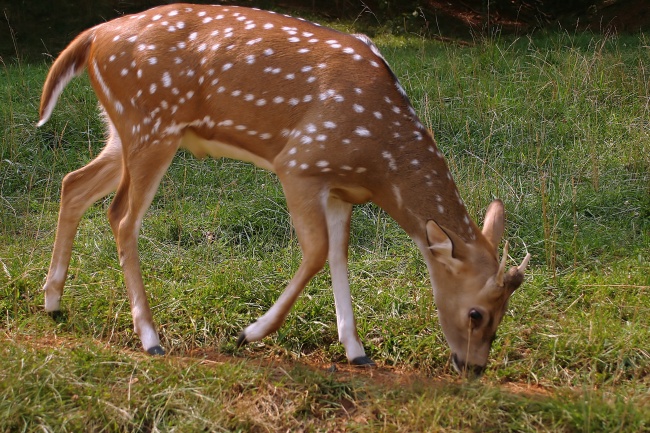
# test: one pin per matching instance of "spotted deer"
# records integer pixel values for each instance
(319, 108)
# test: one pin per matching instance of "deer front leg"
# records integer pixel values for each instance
(338, 228)
(79, 190)
(143, 172)
(307, 213)
(276, 315)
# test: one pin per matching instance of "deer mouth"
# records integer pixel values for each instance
(470, 371)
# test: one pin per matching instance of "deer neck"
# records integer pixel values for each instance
(419, 167)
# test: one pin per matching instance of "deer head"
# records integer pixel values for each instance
(472, 288)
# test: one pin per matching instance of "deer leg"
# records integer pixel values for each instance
(338, 216)
(307, 213)
(143, 170)
(79, 190)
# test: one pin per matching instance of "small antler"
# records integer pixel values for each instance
(502, 266)
(524, 264)
(515, 275)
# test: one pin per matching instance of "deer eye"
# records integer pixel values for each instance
(475, 316)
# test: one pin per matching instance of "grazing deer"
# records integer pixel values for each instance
(319, 108)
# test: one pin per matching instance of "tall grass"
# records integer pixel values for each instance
(557, 125)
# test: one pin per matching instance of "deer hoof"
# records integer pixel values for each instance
(156, 351)
(363, 362)
(241, 340)
(57, 315)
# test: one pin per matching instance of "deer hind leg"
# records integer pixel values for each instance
(144, 168)
(338, 216)
(306, 205)
(79, 190)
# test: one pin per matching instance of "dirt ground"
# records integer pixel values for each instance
(380, 376)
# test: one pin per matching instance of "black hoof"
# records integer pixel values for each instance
(363, 361)
(156, 351)
(241, 340)
(57, 316)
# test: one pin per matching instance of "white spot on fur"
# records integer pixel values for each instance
(392, 164)
(362, 131)
(166, 79)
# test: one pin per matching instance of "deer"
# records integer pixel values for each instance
(319, 108)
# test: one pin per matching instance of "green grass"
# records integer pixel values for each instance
(556, 125)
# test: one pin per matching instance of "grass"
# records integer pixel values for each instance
(557, 125)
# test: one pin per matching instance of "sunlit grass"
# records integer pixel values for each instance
(556, 125)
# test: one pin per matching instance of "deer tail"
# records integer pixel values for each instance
(69, 64)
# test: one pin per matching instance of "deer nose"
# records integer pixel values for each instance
(470, 371)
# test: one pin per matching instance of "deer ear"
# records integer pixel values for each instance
(493, 225)
(442, 246)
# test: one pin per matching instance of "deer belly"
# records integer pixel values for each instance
(201, 147)
(352, 194)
